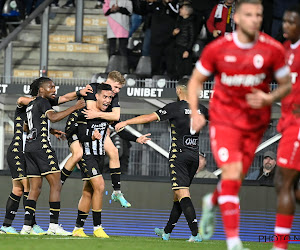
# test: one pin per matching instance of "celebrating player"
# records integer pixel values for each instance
(239, 110)
(183, 157)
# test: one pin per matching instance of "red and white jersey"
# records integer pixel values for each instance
(238, 68)
(293, 60)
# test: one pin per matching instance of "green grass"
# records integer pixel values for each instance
(19, 242)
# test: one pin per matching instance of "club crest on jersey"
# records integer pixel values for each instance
(258, 61)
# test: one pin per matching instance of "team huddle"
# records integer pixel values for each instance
(243, 63)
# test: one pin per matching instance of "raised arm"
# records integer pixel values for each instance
(23, 100)
(137, 120)
(73, 95)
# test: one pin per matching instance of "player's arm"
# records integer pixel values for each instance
(194, 87)
(73, 95)
(137, 120)
(60, 135)
(23, 100)
(258, 99)
(93, 113)
(57, 116)
(87, 135)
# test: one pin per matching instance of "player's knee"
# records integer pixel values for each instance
(77, 155)
(18, 191)
(113, 153)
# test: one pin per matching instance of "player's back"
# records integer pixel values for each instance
(238, 68)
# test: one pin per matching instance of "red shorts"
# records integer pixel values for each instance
(288, 153)
(233, 145)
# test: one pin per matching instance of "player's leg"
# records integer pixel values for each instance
(30, 203)
(84, 205)
(77, 152)
(285, 180)
(173, 218)
(54, 203)
(12, 206)
(98, 185)
(115, 172)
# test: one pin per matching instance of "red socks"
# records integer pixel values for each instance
(282, 230)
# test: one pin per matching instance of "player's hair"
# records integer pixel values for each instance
(294, 8)
(183, 82)
(36, 84)
(241, 2)
(103, 86)
(117, 77)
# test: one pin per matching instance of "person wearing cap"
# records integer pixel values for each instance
(202, 172)
(183, 157)
(265, 174)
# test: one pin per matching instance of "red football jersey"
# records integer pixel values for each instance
(287, 103)
(238, 68)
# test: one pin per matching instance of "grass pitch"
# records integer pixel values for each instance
(20, 242)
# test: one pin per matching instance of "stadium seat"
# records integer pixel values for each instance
(99, 77)
(117, 62)
(160, 81)
(143, 68)
(131, 79)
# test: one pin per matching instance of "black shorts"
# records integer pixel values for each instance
(91, 166)
(71, 139)
(41, 162)
(183, 166)
(16, 162)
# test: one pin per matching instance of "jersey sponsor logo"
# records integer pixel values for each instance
(223, 154)
(258, 61)
(188, 111)
(230, 58)
(242, 80)
(144, 92)
(190, 141)
(100, 126)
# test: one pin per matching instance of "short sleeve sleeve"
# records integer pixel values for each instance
(44, 105)
(92, 96)
(54, 102)
(167, 112)
(206, 63)
(115, 102)
(280, 67)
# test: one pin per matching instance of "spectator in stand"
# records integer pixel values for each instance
(69, 4)
(202, 10)
(164, 14)
(202, 172)
(184, 37)
(118, 16)
(265, 174)
(221, 20)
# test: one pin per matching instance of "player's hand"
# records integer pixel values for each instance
(185, 54)
(120, 125)
(60, 135)
(86, 90)
(96, 135)
(258, 99)
(143, 139)
(198, 121)
(79, 104)
(176, 31)
(90, 113)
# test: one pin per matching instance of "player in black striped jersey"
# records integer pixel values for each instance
(117, 81)
(183, 157)
(92, 134)
(40, 158)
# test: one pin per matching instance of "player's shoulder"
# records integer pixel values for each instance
(220, 43)
(266, 40)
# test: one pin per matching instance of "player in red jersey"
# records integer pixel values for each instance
(288, 155)
(244, 63)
